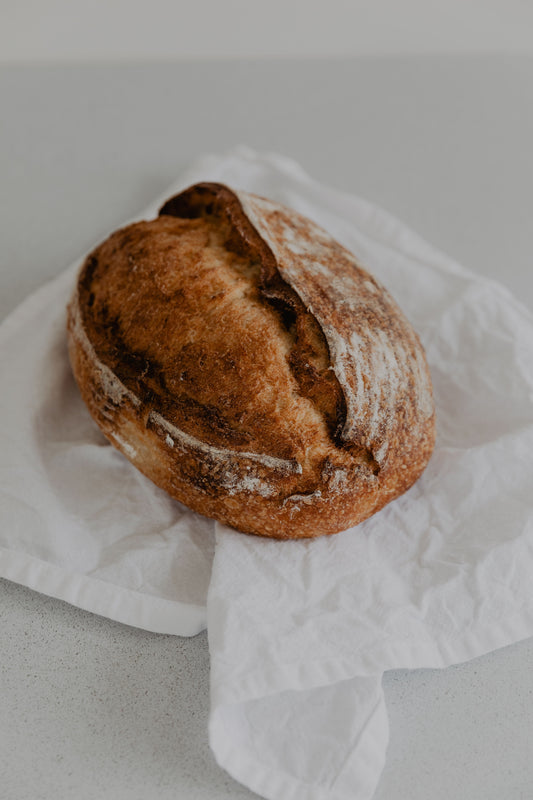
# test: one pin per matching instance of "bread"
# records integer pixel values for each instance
(241, 359)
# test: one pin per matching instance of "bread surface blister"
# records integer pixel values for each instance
(241, 359)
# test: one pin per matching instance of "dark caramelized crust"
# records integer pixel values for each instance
(226, 347)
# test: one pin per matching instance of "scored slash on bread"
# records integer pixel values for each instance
(242, 360)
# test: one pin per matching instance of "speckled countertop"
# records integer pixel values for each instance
(91, 708)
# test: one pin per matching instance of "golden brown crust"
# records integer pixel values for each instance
(240, 358)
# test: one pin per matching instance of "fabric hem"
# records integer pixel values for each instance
(275, 678)
(272, 784)
(118, 603)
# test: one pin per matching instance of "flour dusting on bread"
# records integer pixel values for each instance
(375, 362)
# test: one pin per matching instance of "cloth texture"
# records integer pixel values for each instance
(300, 632)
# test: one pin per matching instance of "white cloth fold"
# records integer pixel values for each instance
(299, 632)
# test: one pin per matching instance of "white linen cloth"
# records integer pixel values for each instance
(300, 633)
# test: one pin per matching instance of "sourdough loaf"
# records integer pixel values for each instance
(241, 359)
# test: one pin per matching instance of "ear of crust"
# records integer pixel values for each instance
(303, 406)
